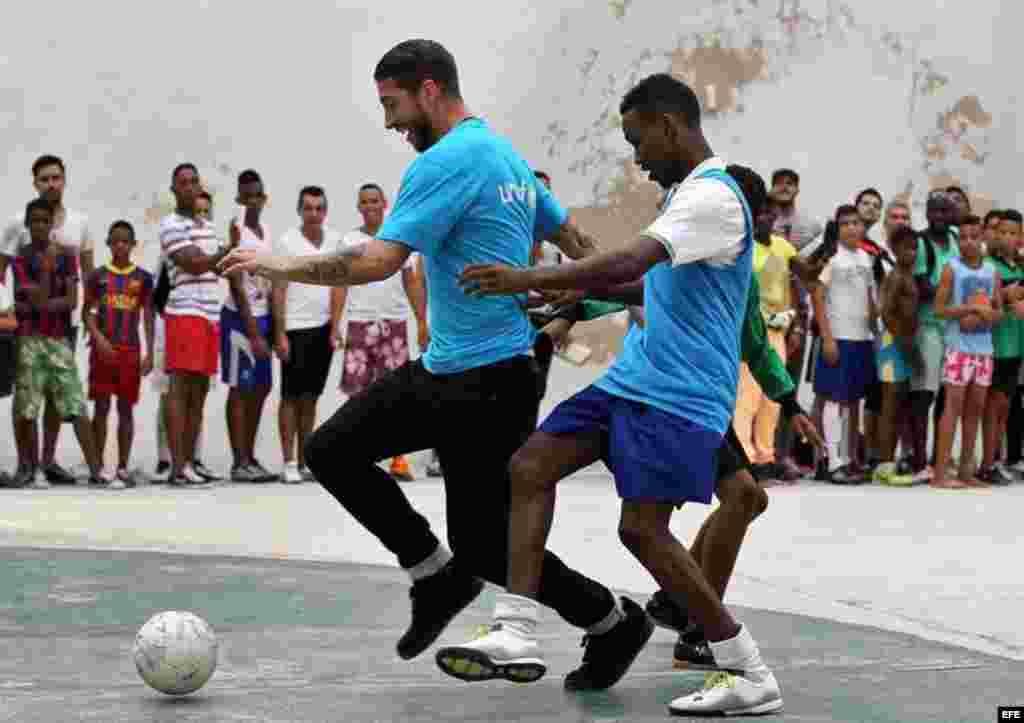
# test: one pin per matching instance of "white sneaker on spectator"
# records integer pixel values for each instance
(116, 484)
(193, 477)
(39, 481)
(290, 473)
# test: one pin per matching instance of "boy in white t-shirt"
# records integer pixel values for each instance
(71, 230)
(246, 362)
(376, 330)
(846, 312)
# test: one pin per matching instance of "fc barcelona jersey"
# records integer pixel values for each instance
(121, 296)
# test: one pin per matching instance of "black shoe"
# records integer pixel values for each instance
(608, 657)
(692, 652)
(666, 614)
(821, 473)
(763, 472)
(994, 475)
(57, 475)
(435, 601)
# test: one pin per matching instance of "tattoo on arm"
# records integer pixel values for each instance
(328, 269)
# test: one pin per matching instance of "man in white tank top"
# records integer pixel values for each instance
(374, 337)
(246, 362)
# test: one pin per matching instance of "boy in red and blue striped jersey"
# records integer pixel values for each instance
(117, 297)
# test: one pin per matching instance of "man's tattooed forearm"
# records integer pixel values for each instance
(329, 269)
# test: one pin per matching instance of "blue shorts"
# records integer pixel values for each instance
(653, 455)
(239, 366)
(847, 381)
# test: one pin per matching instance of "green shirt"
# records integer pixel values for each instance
(764, 363)
(1008, 334)
(942, 255)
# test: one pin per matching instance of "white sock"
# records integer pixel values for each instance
(609, 621)
(432, 565)
(741, 653)
(517, 613)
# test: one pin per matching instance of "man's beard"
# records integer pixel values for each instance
(422, 137)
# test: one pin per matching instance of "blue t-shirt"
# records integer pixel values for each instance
(685, 360)
(471, 199)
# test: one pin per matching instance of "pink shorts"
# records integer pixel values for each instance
(372, 349)
(961, 369)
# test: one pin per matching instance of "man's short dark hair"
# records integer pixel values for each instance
(846, 210)
(44, 161)
(1013, 215)
(315, 191)
(371, 187)
(753, 187)
(970, 220)
(902, 235)
(960, 191)
(37, 204)
(789, 173)
(411, 62)
(186, 166)
(249, 176)
(663, 93)
(121, 223)
(995, 213)
(869, 192)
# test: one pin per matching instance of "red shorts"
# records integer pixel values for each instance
(119, 377)
(193, 345)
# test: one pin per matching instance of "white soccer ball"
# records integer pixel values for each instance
(175, 652)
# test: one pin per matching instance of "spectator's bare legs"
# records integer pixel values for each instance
(51, 433)
(26, 430)
(818, 417)
(100, 417)
(890, 422)
(21, 442)
(198, 385)
(83, 431)
(287, 424)
(974, 410)
(234, 411)
(254, 402)
(125, 433)
(163, 445)
(997, 409)
(944, 437)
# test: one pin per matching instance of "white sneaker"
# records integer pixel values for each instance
(116, 484)
(290, 473)
(39, 481)
(500, 653)
(194, 478)
(727, 693)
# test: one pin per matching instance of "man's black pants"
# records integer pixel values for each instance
(476, 420)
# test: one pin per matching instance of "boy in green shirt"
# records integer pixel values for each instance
(1008, 344)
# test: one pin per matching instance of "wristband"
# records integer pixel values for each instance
(789, 406)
